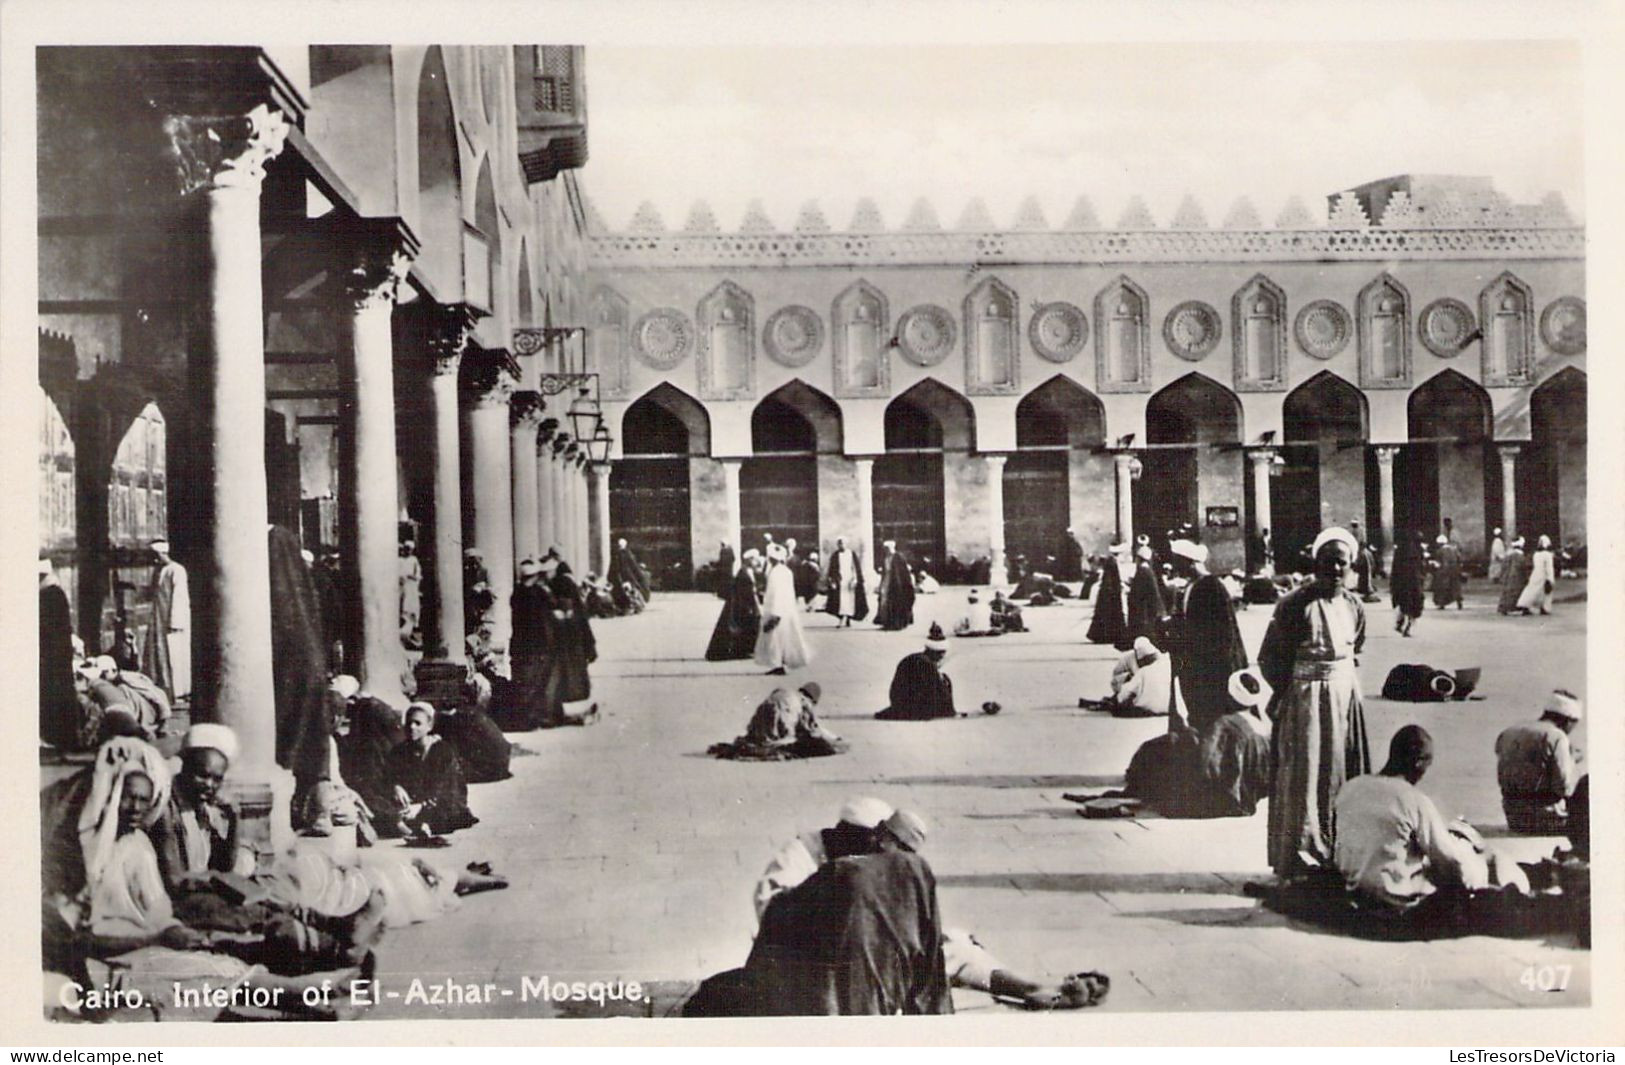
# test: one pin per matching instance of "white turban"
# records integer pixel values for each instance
(752, 553)
(1189, 549)
(777, 553)
(865, 812)
(1249, 688)
(98, 818)
(529, 567)
(1338, 534)
(346, 685)
(219, 737)
(45, 567)
(1145, 650)
(161, 546)
(1565, 704)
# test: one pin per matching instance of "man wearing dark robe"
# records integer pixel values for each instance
(1365, 565)
(1108, 624)
(723, 574)
(920, 690)
(896, 609)
(741, 619)
(1146, 606)
(1205, 642)
(843, 585)
(1069, 558)
(365, 730)
(624, 567)
(299, 664)
(571, 650)
(58, 699)
(532, 607)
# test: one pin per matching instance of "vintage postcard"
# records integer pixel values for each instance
(565, 513)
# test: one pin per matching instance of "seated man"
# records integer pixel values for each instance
(920, 690)
(1006, 615)
(1394, 849)
(868, 826)
(109, 688)
(783, 727)
(365, 730)
(1142, 683)
(978, 618)
(427, 777)
(1221, 771)
(1538, 769)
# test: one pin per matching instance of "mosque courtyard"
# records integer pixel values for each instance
(632, 854)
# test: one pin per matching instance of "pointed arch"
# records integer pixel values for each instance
(1122, 337)
(1258, 316)
(930, 415)
(820, 428)
(439, 180)
(860, 322)
(607, 340)
(1323, 408)
(726, 320)
(665, 421)
(1195, 409)
(1551, 471)
(1506, 321)
(1449, 405)
(482, 248)
(1383, 330)
(1060, 412)
(991, 313)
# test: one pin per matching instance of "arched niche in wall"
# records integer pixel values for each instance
(1122, 338)
(860, 322)
(727, 334)
(607, 341)
(1383, 324)
(992, 355)
(440, 214)
(482, 245)
(1258, 333)
(1506, 316)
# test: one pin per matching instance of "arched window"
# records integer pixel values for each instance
(1258, 326)
(1383, 323)
(1507, 318)
(990, 314)
(859, 321)
(727, 333)
(1122, 340)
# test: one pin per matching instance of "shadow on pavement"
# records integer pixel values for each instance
(1127, 883)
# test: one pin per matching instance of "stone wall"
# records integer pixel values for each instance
(838, 506)
(966, 525)
(1093, 481)
(708, 509)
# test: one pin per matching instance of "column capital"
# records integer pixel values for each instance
(1509, 451)
(525, 409)
(380, 252)
(489, 375)
(546, 428)
(446, 329)
(995, 458)
(1386, 453)
(1122, 458)
(223, 152)
(1261, 456)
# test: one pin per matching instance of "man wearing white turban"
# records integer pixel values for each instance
(781, 644)
(1204, 642)
(1320, 735)
(195, 833)
(1538, 769)
(169, 637)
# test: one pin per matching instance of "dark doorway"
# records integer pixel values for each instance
(778, 486)
(908, 486)
(1323, 480)
(1183, 423)
(649, 501)
(1444, 472)
(1054, 420)
(1551, 477)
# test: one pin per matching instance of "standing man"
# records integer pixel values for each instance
(532, 607)
(169, 637)
(1069, 558)
(781, 646)
(58, 698)
(1205, 641)
(896, 610)
(624, 567)
(411, 576)
(845, 600)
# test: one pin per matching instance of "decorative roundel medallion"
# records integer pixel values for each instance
(925, 334)
(1058, 331)
(663, 337)
(1445, 326)
(1191, 330)
(1563, 325)
(1323, 328)
(793, 336)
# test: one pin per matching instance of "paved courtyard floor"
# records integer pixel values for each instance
(633, 854)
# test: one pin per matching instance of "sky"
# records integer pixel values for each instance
(1217, 120)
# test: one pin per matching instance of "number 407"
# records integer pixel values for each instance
(1546, 977)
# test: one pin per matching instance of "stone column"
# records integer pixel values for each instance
(730, 476)
(1123, 465)
(524, 414)
(222, 165)
(369, 499)
(490, 385)
(1262, 459)
(866, 509)
(1509, 488)
(995, 515)
(448, 329)
(598, 521)
(556, 479)
(1385, 501)
(567, 510)
(583, 516)
(546, 516)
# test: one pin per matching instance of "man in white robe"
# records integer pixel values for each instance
(169, 638)
(781, 645)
